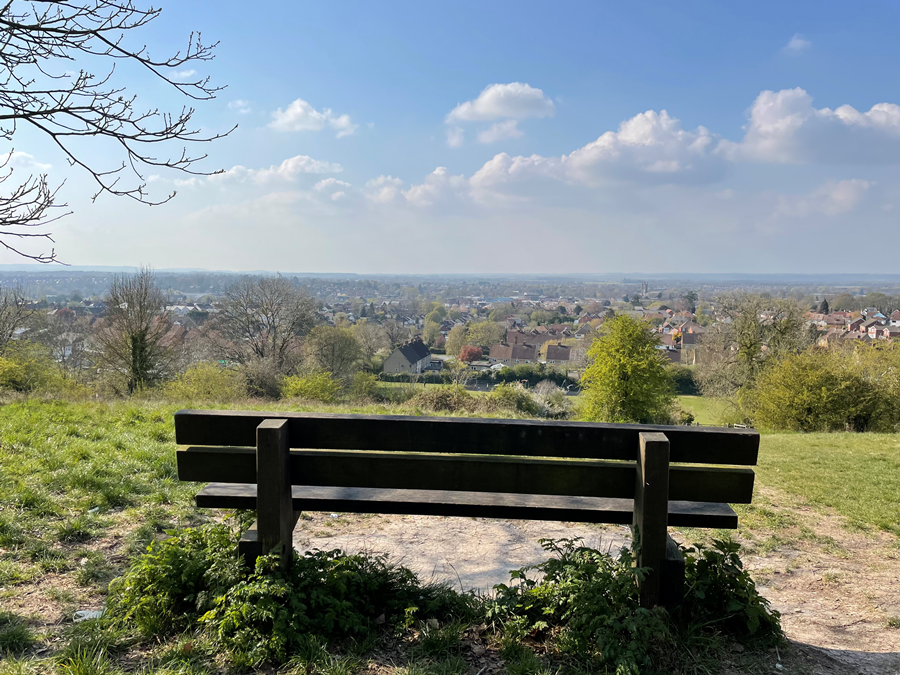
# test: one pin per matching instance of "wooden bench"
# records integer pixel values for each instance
(649, 476)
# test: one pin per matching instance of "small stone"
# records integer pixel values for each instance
(477, 650)
(380, 620)
(778, 666)
(433, 623)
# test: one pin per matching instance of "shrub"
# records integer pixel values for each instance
(552, 400)
(206, 382)
(444, 399)
(270, 615)
(820, 390)
(683, 380)
(315, 387)
(28, 367)
(263, 378)
(720, 593)
(175, 581)
(364, 387)
(513, 397)
(592, 597)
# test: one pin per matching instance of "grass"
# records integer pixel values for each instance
(706, 411)
(857, 475)
(75, 478)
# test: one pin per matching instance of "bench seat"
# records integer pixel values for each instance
(468, 504)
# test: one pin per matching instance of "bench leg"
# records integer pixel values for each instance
(248, 546)
(651, 512)
(671, 577)
(275, 517)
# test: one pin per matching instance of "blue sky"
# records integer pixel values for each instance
(517, 136)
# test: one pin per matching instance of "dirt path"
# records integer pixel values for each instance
(836, 588)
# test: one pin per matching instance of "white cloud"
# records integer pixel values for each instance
(650, 148)
(338, 196)
(301, 116)
(242, 106)
(833, 198)
(438, 185)
(288, 170)
(455, 136)
(23, 161)
(328, 183)
(500, 131)
(797, 45)
(182, 74)
(500, 101)
(384, 189)
(785, 128)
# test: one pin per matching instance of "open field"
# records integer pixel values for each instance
(85, 486)
(706, 410)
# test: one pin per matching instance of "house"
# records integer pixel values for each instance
(479, 366)
(413, 357)
(512, 355)
(557, 355)
(855, 325)
(895, 318)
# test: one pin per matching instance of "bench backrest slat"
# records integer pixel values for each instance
(533, 438)
(469, 473)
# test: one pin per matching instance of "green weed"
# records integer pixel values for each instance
(15, 635)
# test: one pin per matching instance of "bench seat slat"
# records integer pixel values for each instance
(472, 473)
(468, 504)
(535, 438)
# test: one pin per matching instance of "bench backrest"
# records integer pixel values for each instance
(478, 455)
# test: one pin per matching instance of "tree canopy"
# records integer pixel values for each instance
(626, 380)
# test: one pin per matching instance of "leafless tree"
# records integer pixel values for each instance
(263, 319)
(43, 43)
(372, 338)
(68, 339)
(396, 332)
(14, 314)
(131, 336)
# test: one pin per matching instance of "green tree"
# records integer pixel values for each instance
(430, 332)
(456, 340)
(626, 380)
(485, 333)
(690, 301)
(334, 350)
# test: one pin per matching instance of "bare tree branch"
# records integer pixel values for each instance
(40, 41)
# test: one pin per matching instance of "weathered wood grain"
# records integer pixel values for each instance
(651, 502)
(534, 438)
(478, 473)
(274, 513)
(468, 504)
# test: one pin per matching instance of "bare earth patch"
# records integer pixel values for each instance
(837, 588)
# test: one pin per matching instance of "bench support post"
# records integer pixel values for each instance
(651, 511)
(275, 518)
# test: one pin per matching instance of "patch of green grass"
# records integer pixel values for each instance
(893, 622)
(705, 409)
(15, 635)
(93, 568)
(857, 475)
